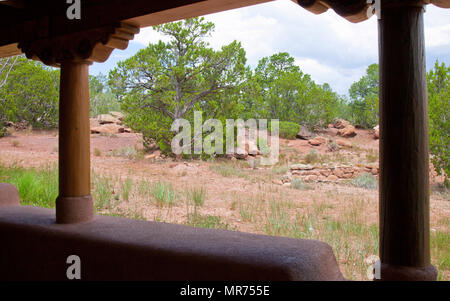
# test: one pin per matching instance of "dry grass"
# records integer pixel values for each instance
(343, 216)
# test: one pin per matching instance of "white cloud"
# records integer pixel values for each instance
(326, 46)
(341, 78)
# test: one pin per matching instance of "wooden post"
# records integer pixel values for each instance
(404, 170)
(74, 203)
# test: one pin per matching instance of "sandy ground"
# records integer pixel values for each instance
(223, 193)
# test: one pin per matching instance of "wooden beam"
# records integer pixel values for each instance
(13, 3)
(191, 10)
(404, 167)
(10, 50)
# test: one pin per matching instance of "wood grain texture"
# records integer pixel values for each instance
(74, 131)
(404, 183)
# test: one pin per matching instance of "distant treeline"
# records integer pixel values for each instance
(170, 80)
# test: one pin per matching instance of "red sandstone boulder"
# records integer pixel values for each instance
(347, 132)
(341, 123)
(376, 133)
(343, 143)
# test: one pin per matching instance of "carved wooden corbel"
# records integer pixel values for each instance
(94, 45)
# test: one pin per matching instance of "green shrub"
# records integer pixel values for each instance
(439, 118)
(287, 130)
(366, 180)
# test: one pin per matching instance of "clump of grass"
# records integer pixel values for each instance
(127, 213)
(206, 221)
(144, 188)
(372, 156)
(103, 192)
(299, 184)
(278, 221)
(197, 196)
(15, 143)
(131, 153)
(280, 170)
(365, 180)
(125, 189)
(164, 194)
(228, 170)
(332, 146)
(97, 152)
(250, 210)
(440, 249)
(312, 157)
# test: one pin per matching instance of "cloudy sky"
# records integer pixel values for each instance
(326, 46)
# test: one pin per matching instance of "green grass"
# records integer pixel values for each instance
(164, 194)
(206, 221)
(440, 250)
(125, 189)
(103, 188)
(37, 187)
(129, 213)
(197, 196)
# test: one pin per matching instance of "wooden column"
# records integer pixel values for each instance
(404, 170)
(74, 203)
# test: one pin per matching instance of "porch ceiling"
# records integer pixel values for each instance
(30, 20)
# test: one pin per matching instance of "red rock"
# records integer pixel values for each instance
(343, 143)
(325, 172)
(376, 133)
(311, 178)
(277, 182)
(341, 123)
(315, 142)
(347, 132)
(332, 178)
(338, 173)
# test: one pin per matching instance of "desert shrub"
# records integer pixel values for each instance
(366, 180)
(287, 130)
(299, 184)
(332, 146)
(312, 157)
(97, 152)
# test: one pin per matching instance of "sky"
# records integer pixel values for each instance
(328, 47)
